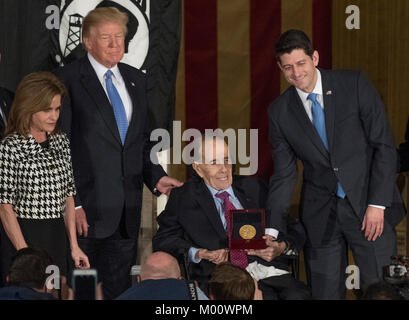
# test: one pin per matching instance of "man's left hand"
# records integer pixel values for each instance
(373, 223)
(266, 254)
(166, 184)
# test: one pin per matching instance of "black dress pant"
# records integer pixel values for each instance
(326, 264)
(113, 258)
(284, 287)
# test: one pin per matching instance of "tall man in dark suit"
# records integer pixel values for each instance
(194, 224)
(106, 118)
(334, 122)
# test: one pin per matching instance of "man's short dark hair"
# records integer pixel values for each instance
(28, 267)
(291, 40)
(230, 282)
(381, 291)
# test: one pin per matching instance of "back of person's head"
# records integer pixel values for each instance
(381, 291)
(230, 282)
(291, 40)
(160, 265)
(161, 280)
(28, 268)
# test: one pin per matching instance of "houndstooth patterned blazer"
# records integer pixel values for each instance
(34, 179)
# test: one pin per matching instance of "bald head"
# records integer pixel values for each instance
(160, 265)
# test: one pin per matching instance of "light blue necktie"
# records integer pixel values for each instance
(318, 120)
(117, 105)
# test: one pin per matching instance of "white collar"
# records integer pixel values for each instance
(100, 69)
(229, 190)
(317, 89)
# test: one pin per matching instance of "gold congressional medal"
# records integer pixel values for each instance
(247, 232)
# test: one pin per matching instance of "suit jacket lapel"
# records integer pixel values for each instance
(305, 122)
(206, 202)
(91, 83)
(329, 107)
(245, 201)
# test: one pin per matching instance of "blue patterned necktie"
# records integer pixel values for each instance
(318, 120)
(117, 105)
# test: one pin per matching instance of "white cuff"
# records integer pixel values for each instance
(272, 232)
(192, 253)
(376, 206)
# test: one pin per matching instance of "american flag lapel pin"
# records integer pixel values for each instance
(329, 92)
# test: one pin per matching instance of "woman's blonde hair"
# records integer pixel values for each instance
(34, 94)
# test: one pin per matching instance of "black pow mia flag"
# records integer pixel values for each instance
(44, 34)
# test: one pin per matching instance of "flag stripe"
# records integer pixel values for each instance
(201, 63)
(322, 31)
(296, 14)
(233, 64)
(265, 28)
(178, 171)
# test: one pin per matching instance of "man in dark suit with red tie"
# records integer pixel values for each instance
(106, 118)
(335, 123)
(195, 224)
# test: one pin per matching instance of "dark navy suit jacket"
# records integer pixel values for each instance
(362, 155)
(109, 176)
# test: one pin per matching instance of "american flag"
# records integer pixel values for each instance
(227, 72)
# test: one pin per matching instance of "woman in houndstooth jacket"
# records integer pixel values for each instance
(36, 178)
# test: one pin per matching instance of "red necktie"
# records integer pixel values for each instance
(237, 257)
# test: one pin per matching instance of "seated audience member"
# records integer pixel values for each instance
(230, 282)
(194, 224)
(381, 291)
(404, 151)
(160, 279)
(27, 276)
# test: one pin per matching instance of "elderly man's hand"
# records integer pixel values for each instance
(215, 256)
